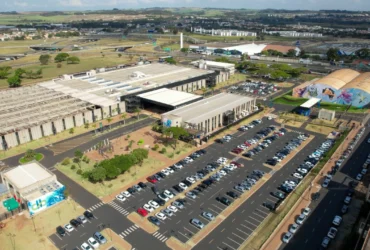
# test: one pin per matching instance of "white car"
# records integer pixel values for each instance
(298, 176)
(221, 172)
(191, 180)
(287, 236)
(148, 208)
(172, 208)
(68, 227)
(161, 216)
(332, 232)
(165, 172)
(188, 159)
(337, 220)
(325, 242)
(178, 166)
(306, 211)
(347, 200)
(183, 186)
(300, 219)
(168, 194)
(364, 171)
(170, 170)
(86, 246)
(126, 194)
(153, 204)
(120, 197)
(293, 228)
(359, 177)
(302, 170)
(325, 183)
(94, 243)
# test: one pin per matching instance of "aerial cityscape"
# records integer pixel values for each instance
(163, 124)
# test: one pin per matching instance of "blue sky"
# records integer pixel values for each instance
(49, 5)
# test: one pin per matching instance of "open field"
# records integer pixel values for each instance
(319, 129)
(22, 229)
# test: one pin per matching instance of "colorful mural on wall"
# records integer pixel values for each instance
(45, 201)
(352, 96)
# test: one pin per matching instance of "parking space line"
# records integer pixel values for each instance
(238, 236)
(213, 211)
(254, 219)
(271, 200)
(262, 212)
(218, 207)
(235, 241)
(242, 231)
(251, 223)
(188, 230)
(58, 236)
(184, 235)
(258, 215)
(247, 227)
(228, 245)
(265, 208)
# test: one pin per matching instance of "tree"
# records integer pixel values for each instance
(176, 133)
(14, 81)
(112, 171)
(61, 57)
(73, 60)
(4, 72)
(123, 117)
(204, 90)
(175, 31)
(140, 155)
(78, 156)
(44, 59)
(119, 55)
(98, 174)
(109, 119)
(184, 50)
(170, 60)
(279, 74)
(19, 72)
(333, 54)
(137, 111)
(363, 53)
(30, 154)
(291, 53)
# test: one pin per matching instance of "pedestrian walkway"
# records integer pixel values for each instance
(160, 236)
(129, 230)
(92, 208)
(118, 208)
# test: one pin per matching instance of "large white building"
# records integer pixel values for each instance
(48, 108)
(293, 33)
(221, 32)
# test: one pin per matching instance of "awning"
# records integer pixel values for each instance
(11, 204)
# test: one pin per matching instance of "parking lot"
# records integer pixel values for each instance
(254, 88)
(237, 227)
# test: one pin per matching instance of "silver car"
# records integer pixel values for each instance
(208, 216)
(197, 223)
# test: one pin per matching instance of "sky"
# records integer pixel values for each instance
(60, 5)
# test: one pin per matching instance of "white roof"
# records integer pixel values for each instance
(169, 96)
(310, 103)
(215, 64)
(27, 175)
(249, 49)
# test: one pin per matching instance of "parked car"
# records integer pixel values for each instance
(287, 236)
(208, 216)
(197, 223)
(61, 231)
(100, 238)
(224, 200)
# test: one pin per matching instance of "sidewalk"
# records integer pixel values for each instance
(274, 242)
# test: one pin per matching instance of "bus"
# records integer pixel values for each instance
(163, 58)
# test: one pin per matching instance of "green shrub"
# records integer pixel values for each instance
(73, 167)
(163, 151)
(110, 185)
(178, 152)
(156, 147)
(79, 171)
(87, 160)
(66, 161)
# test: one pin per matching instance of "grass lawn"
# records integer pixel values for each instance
(181, 149)
(319, 129)
(45, 223)
(38, 157)
(308, 77)
(290, 100)
(111, 186)
(295, 117)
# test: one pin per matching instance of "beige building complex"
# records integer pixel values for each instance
(48, 108)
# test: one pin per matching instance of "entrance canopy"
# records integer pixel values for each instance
(311, 102)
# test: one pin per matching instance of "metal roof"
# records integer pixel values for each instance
(169, 97)
(311, 102)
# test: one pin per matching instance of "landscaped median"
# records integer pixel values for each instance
(272, 222)
(199, 236)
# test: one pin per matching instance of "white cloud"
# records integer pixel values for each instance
(71, 3)
(20, 4)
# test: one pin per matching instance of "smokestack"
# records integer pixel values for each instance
(181, 41)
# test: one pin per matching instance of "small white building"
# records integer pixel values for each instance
(34, 185)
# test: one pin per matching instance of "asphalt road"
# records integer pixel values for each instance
(317, 225)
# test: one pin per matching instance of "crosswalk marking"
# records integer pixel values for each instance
(118, 208)
(160, 236)
(129, 230)
(92, 208)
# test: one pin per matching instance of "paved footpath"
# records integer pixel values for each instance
(274, 242)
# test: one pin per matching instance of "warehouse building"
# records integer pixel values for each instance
(212, 113)
(226, 69)
(34, 185)
(30, 113)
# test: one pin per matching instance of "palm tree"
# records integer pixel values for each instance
(137, 111)
(123, 117)
(109, 119)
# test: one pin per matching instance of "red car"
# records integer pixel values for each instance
(142, 212)
(247, 144)
(237, 164)
(152, 179)
(237, 150)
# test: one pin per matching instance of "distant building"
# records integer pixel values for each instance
(293, 33)
(219, 32)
